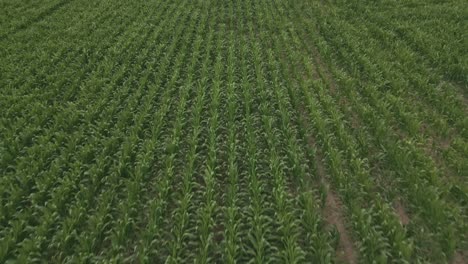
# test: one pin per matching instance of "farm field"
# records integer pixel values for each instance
(233, 131)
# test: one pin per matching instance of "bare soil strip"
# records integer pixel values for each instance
(460, 258)
(333, 209)
(333, 214)
(401, 213)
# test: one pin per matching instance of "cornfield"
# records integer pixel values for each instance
(236, 131)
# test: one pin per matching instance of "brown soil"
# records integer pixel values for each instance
(401, 212)
(333, 213)
(333, 209)
(460, 258)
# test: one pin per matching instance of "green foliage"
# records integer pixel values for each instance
(217, 131)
